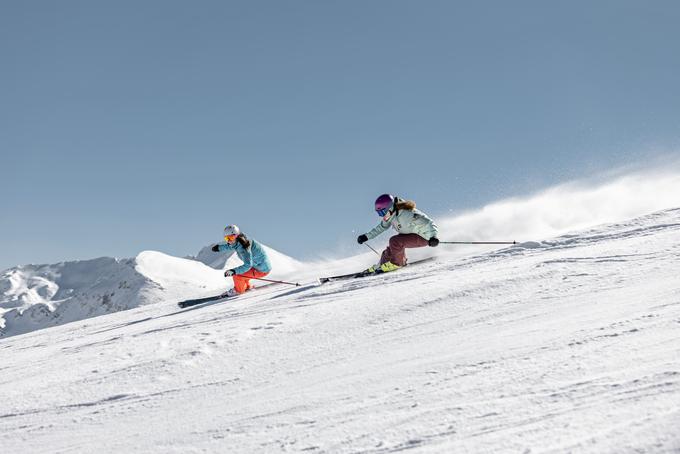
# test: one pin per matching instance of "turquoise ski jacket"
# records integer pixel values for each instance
(253, 257)
(407, 221)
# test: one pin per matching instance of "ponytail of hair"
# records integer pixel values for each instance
(243, 240)
(405, 204)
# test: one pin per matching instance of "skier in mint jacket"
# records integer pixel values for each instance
(255, 261)
(415, 229)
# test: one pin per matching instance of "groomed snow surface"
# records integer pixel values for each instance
(564, 345)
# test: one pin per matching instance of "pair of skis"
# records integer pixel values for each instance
(208, 299)
(322, 280)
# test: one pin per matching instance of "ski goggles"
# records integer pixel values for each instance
(382, 212)
(230, 238)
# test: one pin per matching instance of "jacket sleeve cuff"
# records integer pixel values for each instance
(240, 269)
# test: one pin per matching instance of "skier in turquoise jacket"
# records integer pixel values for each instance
(415, 229)
(255, 261)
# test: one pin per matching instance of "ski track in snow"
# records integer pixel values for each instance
(567, 345)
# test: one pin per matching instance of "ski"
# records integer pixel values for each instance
(342, 277)
(188, 303)
(223, 296)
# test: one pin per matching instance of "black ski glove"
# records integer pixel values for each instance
(433, 242)
(362, 239)
(216, 248)
(229, 273)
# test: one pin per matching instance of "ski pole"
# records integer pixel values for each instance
(275, 282)
(478, 242)
(369, 246)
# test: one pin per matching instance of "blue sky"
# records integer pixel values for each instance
(134, 125)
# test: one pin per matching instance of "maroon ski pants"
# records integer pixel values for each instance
(396, 252)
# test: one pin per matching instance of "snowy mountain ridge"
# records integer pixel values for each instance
(39, 296)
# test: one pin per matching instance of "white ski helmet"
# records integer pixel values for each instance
(231, 231)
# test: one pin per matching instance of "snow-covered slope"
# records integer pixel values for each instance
(39, 296)
(34, 297)
(568, 344)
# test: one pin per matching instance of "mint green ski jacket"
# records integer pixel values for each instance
(407, 221)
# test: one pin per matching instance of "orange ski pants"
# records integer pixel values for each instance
(242, 281)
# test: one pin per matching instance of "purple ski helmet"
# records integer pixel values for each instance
(383, 204)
